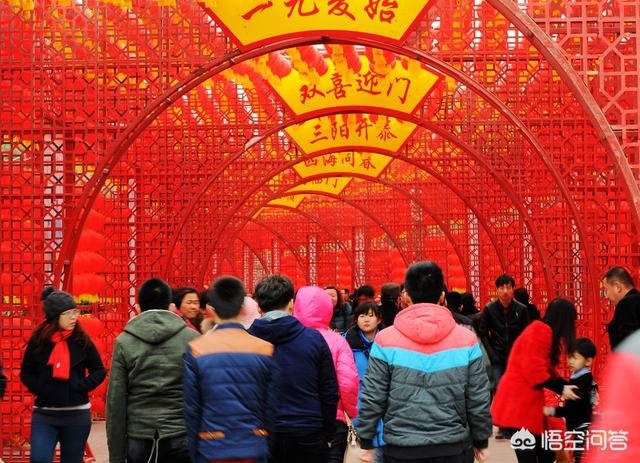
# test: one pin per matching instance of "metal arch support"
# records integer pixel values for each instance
(326, 229)
(278, 235)
(556, 57)
(445, 229)
(355, 206)
(126, 138)
(366, 213)
(391, 185)
(264, 265)
(424, 124)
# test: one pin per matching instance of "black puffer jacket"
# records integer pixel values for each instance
(54, 392)
(498, 329)
(3, 382)
(626, 318)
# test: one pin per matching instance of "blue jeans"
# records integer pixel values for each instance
(496, 375)
(72, 438)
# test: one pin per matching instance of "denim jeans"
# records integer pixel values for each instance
(496, 375)
(45, 436)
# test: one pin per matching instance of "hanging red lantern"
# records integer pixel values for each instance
(352, 57)
(88, 283)
(314, 59)
(279, 64)
(88, 262)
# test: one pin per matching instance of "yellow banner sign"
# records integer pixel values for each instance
(351, 132)
(400, 91)
(288, 201)
(257, 22)
(369, 164)
(329, 185)
(291, 201)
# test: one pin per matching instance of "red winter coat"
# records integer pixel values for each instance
(518, 402)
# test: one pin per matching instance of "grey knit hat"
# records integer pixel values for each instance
(56, 302)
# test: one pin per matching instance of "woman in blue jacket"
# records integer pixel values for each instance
(367, 318)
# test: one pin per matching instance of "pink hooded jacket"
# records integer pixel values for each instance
(314, 309)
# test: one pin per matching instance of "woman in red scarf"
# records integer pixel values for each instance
(54, 369)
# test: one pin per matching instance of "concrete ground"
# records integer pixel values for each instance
(499, 451)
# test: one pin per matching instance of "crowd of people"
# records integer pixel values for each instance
(417, 374)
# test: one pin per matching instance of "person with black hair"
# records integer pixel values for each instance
(519, 400)
(367, 321)
(469, 308)
(305, 387)
(145, 420)
(389, 303)
(620, 290)
(342, 317)
(54, 369)
(362, 294)
(425, 366)
(522, 296)
(227, 384)
(186, 304)
(577, 413)
(3, 382)
(500, 324)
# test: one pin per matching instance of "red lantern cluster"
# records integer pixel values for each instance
(314, 59)
(88, 262)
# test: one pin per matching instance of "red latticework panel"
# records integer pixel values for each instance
(138, 140)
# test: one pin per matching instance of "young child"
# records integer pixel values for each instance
(577, 413)
(367, 318)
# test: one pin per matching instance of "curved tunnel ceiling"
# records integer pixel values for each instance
(522, 187)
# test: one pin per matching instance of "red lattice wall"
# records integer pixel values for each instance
(133, 145)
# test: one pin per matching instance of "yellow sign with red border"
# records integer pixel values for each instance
(257, 22)
(328, 185)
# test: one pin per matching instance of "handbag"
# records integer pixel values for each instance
(353, 452)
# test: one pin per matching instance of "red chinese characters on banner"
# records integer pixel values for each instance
(340, 130)
(369, 83)
(382, 10)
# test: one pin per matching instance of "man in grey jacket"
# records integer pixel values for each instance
(145, 418)
(426, 380)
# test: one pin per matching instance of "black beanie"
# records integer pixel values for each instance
(55, 302)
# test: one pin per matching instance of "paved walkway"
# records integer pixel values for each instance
(499, 451)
